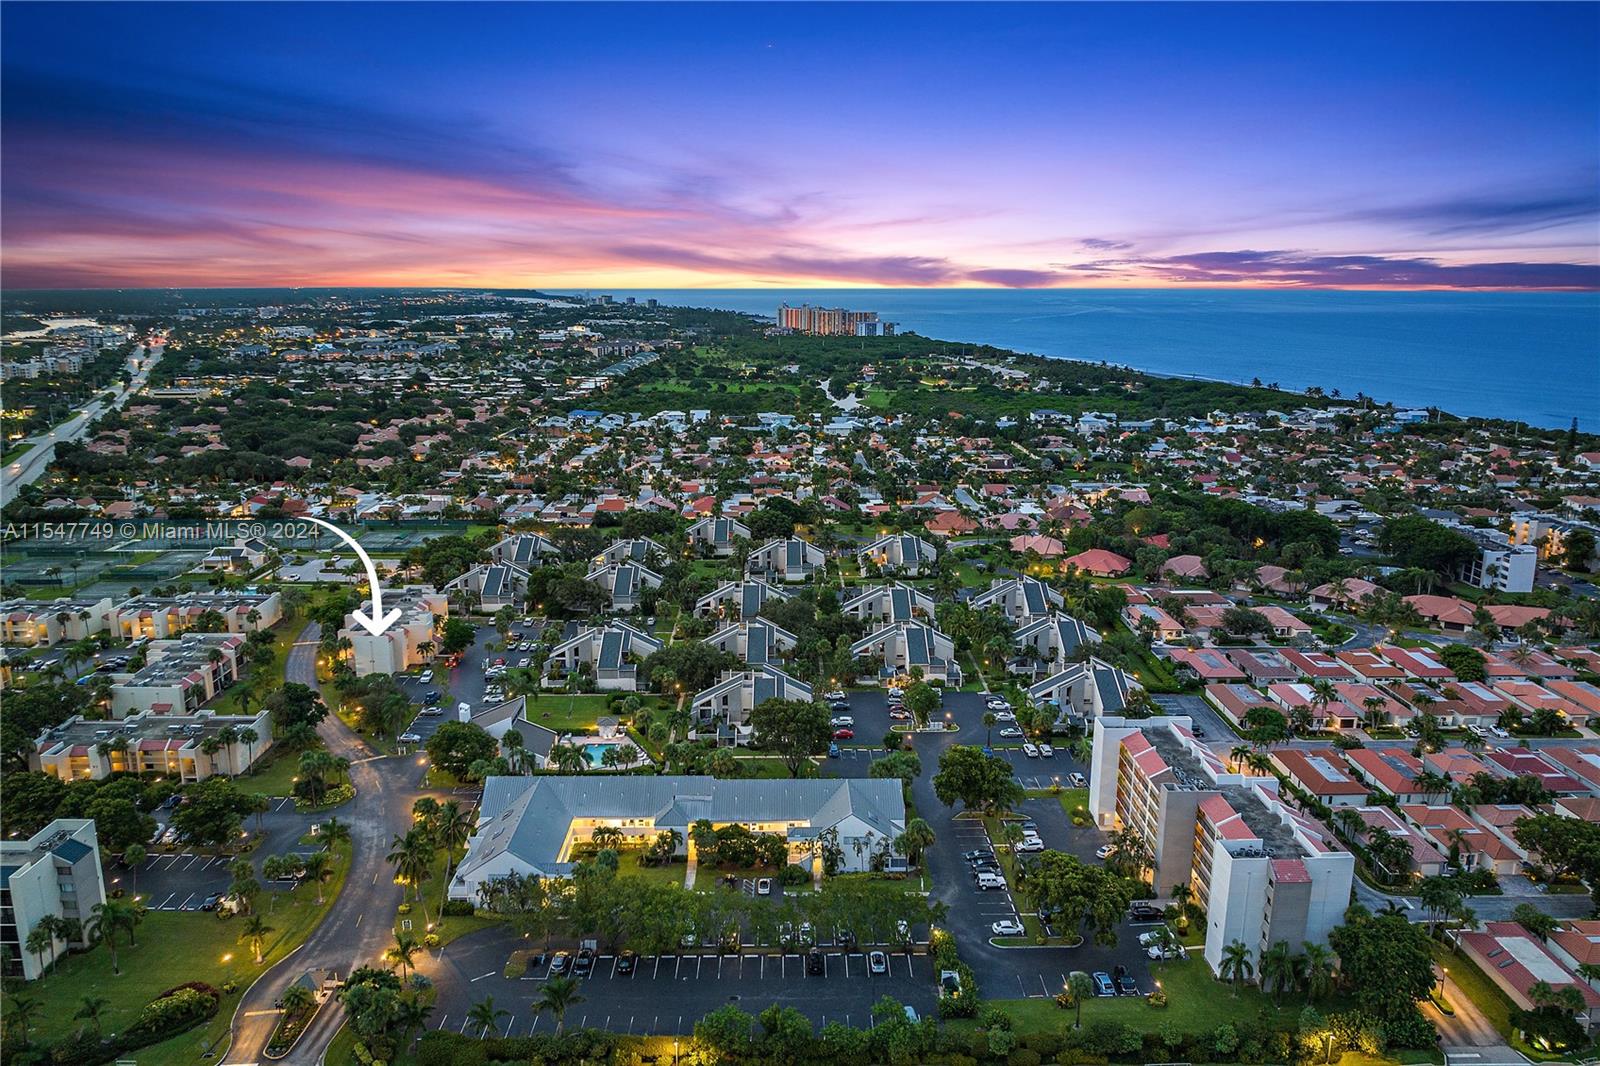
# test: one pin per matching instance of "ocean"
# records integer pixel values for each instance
(1534, 357)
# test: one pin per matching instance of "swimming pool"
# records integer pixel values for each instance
(596, 752)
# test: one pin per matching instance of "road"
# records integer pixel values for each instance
(31, 464)
(358, 926)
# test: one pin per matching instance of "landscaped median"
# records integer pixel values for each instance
(171, 947)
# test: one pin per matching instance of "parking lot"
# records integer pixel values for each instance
(667, 994)
(180, 877)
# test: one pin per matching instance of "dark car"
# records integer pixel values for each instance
(814, 963)
(838, 705)
(560, 963)
(981, 853)
(584, 963)
(626, 962)
(1126, 986)
(211, 901)
(1102, 984)
(845, 939)
(1144, 912)
(432, 696)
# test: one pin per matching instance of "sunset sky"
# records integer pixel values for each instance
(669, 146)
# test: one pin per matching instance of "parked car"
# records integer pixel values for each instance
(989, 881)
(1030, 750)
(980, 853)
(432, 696)
(1010, 732)
(427, 677)
(1078, 780)
(764, 886)
(560, 962)
(1029, 844)
(844, 734)
(834, 694)
(410, 738)
(1102, 984)
(1126, 986)
(1046, 751)
(877, 962)
(1499, 731)
(430, 712)
(1007, 927)
(815, 966)
(842, 720)
(627, 961)
(900, 716)
(211, 901)
(833, 751)
(1005, 716)
(1156, 951)
(1144, 912)
(584, 962)
(1104, 851)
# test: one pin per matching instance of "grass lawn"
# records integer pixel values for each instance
(1195, 1001)
(568, 713)
(628, 866)
(273, 774)
(178, 946)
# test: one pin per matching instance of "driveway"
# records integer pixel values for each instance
(385, 788)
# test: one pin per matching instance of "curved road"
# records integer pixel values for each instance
(359, 925)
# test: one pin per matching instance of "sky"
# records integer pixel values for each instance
(754, 145)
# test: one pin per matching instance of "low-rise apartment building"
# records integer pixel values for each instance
(179, 676)
(610, 654)
(179, 745)
(723, 710)
(43, 623)
(160, 617)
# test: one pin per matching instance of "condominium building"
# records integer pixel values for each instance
(179, 676)
(42, 623)
(409, 642)
(887, 605)
(159, 617)
(609, 654)
(56, 872)
(1263, 871)
(832, 321)
(153, 743)
(723, 711)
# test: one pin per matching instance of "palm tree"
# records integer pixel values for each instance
(558, 994)
(318, 867)
(255, 933)
(248, 736)
(297, 999)
(570, 759)
(1240, 754)
(92, 1009)
(1377, 713)
(1236, 966)
(333, 833)
(1275, 969)
(917, 838)
(412, 1014)
(412, 857)
(1079, 988)
(110, 918)
(453, 828)
(24, 1009)
(989, 719)
(41, 939)
(485, 1017)
(1319, 970)
(403, 952)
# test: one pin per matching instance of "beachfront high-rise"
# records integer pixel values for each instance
(832, 321)
(1263, 871)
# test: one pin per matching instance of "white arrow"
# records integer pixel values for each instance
(378, 621)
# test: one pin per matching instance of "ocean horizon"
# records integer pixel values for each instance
(1531, 357)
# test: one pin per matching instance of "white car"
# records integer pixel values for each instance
(1005, 716)
(1007, 927)
(427, 676)
(764, 886)
(834, 694)
(1030, 750)
(1046, 751)
(410, 738)
(1499, 731)
(840, 721)
(1029, 844)
(1010, 732)
(988, 881)
(1104, 851)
